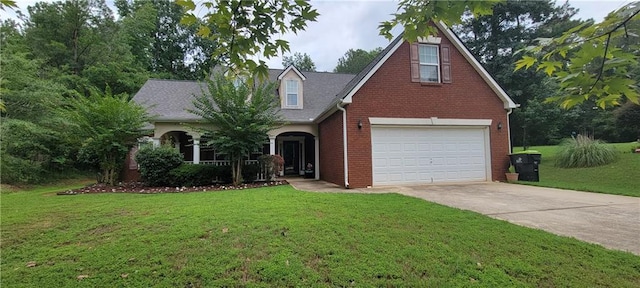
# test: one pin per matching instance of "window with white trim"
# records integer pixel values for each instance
(291, 95)
(429, 63)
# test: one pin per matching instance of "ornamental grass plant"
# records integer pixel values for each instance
(583, 151)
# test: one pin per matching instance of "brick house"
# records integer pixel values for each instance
(422, 112)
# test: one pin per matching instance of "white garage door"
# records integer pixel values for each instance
(403, 155)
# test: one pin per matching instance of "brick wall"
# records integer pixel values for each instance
(331, 149)
(130, 171)
(390, 93)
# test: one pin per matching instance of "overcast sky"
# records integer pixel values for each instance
(354, 24)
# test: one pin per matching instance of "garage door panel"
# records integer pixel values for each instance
(428, 155)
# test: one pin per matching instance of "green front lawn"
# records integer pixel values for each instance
(621, 177)
(277, 237)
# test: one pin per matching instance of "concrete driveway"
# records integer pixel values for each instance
(609, 220)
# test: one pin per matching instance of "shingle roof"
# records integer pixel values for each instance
(169, 100)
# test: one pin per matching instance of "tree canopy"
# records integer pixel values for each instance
(240, 117)
(354, 60)
(107, 126)
(301, 61)
(246, 29)
(590, 61)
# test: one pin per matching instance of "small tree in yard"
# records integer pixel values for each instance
(107, 126)
(240, 118)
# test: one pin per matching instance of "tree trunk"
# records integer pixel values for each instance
(236, 168)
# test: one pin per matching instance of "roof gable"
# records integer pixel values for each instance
(294, 69)
(352, 87)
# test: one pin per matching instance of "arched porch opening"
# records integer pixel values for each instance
(299, 151)
(181, 141)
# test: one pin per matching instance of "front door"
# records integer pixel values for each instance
(291, 155)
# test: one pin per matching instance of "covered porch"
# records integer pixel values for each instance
(298, 145)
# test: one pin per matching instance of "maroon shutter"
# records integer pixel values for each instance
(415, 63)
(445, 49)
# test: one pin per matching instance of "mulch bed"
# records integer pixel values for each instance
(141, 188)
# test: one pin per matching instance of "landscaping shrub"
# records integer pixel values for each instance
(223, 174)
(249, 172)
(156, 163)
(20, 171)
(272, 164)
(193, 175)
(584, 151)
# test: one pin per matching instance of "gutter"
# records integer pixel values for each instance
(340, 105)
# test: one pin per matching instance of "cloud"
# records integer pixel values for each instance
(340, 27)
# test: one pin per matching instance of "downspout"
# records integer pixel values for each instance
(509, 129)
(340, 106)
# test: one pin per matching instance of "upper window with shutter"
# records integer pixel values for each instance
(430, 63)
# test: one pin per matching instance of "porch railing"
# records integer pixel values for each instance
(261, 175)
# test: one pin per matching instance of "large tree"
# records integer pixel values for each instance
(354, 61)
(69, 35)
(80, 46)
(160, 43)
(246, 29)
(592, 61)
(495, 41)
(301, 61)
(35, 143)
(589, 61)
(241, 115)
(107, 126)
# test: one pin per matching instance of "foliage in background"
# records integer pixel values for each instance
(79, 44)
(354, 60)
(494, 39)
(301, 61)
(246, 29)
(36, 143)
(242, 118)
(160, 43)
(627, 117)
(413, 14)
(584, 151)
(26, 151)
(592, 61)
(108, 126)
(11, 4)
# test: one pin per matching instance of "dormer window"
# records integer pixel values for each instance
(291, 81)
(291, 100)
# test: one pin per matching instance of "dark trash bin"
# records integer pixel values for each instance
(309, 174)
(526, 164)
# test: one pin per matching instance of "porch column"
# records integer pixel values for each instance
(156, 142)
(196, 151)
(317, 156)
(272, 145)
